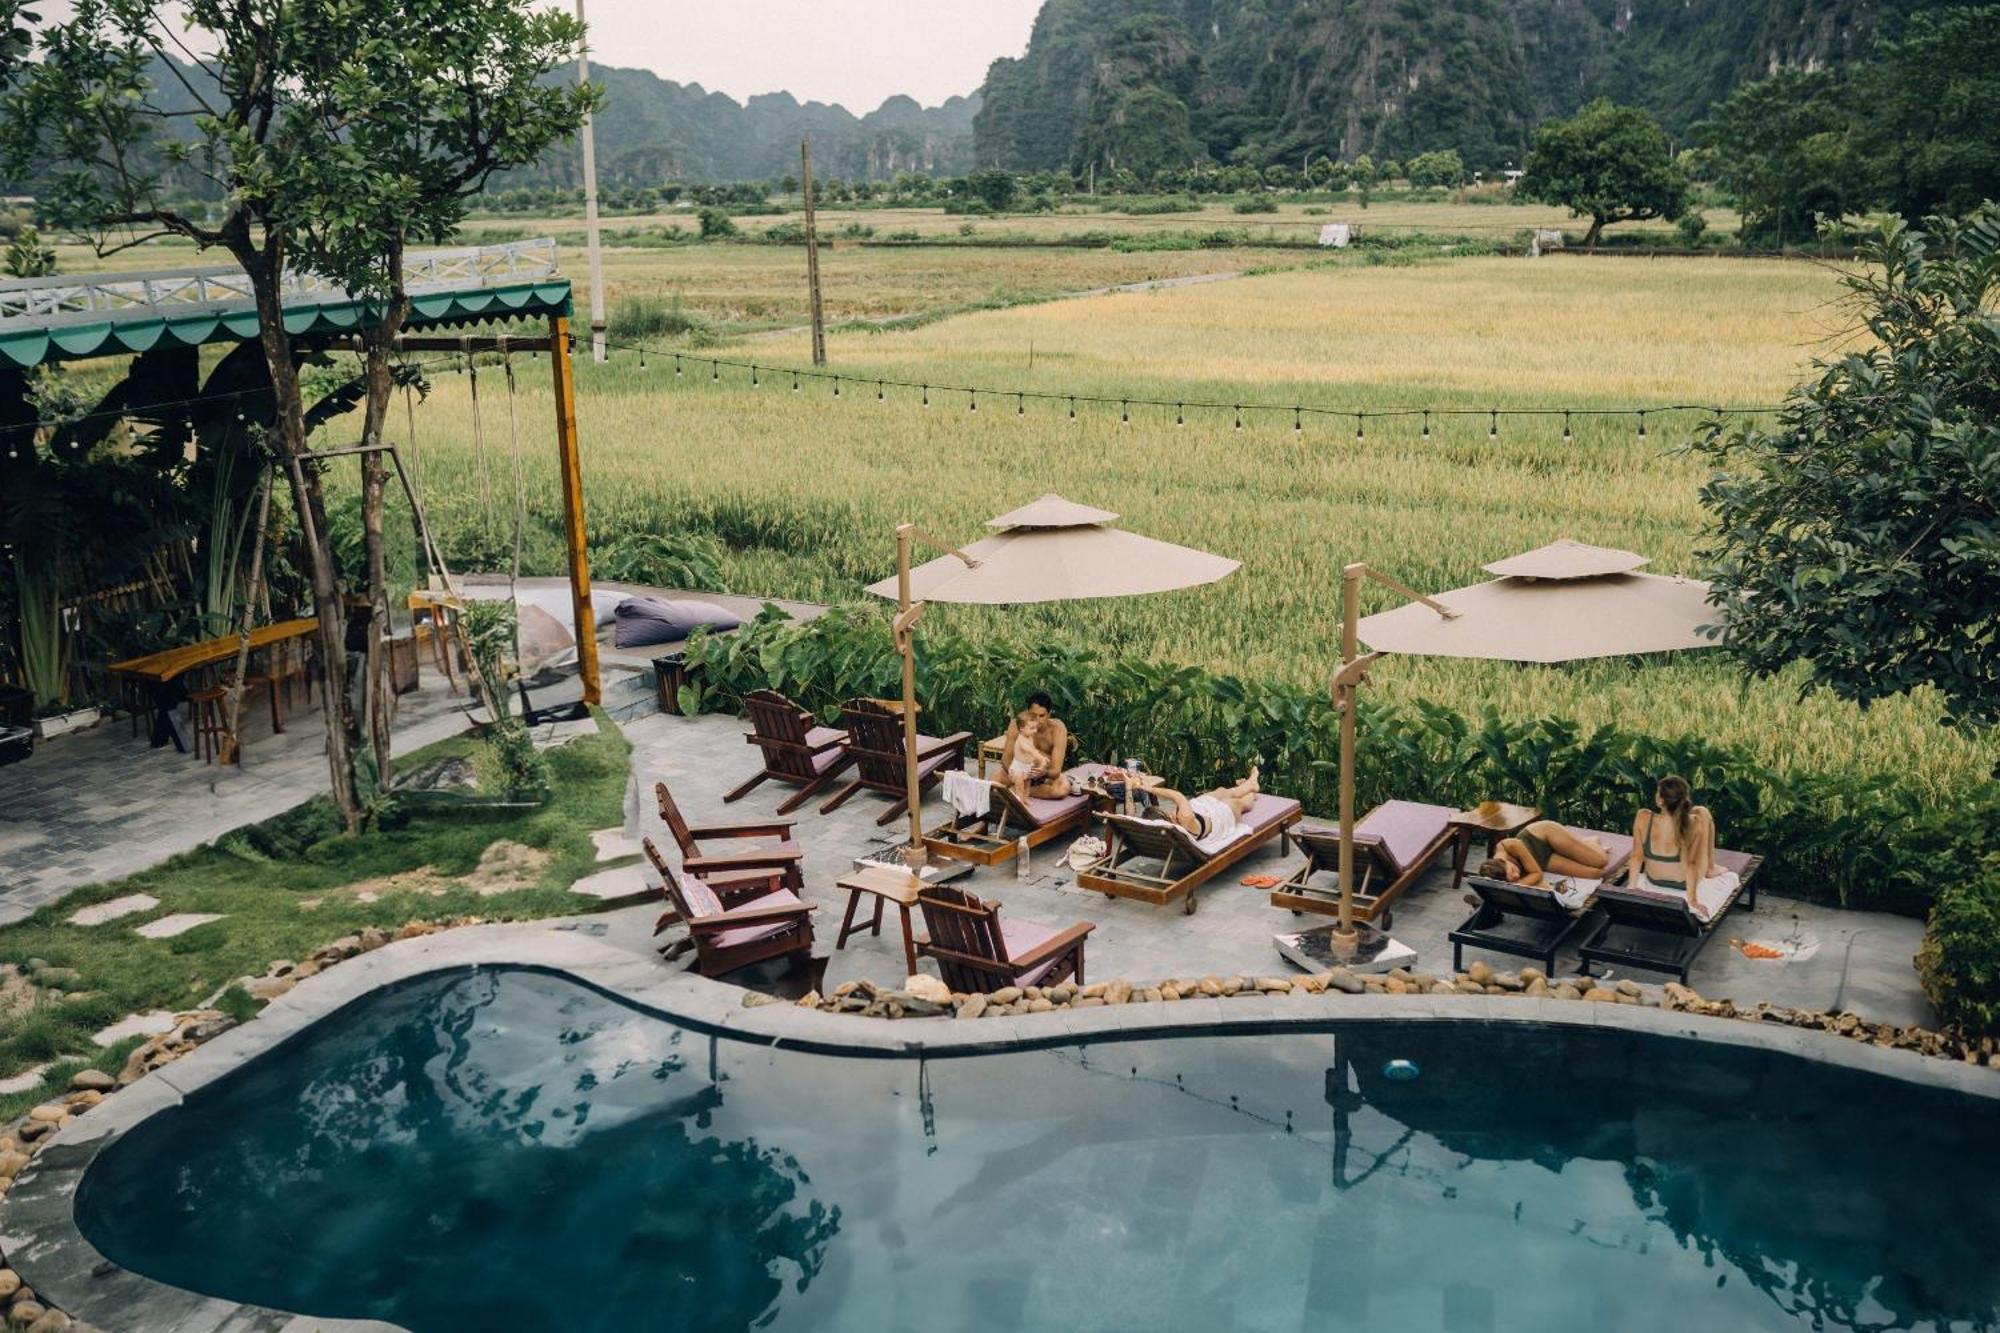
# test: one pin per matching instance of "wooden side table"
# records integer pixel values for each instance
(1495, 819)
(885, 886)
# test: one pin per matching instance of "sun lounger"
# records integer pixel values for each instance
(1524, 921)
(796, 751)
(977, 953)
(1393, 845)
(875, 744)
(1645, 928)
(1135, 842)
(994, 837)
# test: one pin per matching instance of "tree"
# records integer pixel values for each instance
(1443, 168)
(994, 187)
(1362, 173)
(287, 109)
(1783, 150)
(1608, 163)
(1926, 105)
(1862, 533)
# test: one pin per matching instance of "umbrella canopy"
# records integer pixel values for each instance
(1557, 615)
(1054, 550)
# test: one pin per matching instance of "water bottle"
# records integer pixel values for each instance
(1021, 857)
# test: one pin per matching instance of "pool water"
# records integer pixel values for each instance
(510, 1150)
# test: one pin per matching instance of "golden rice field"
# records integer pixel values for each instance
(809, 488)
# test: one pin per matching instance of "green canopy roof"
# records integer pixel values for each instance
(68, 318)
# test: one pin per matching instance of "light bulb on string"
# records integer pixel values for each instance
(972, 400)
(1493, 427)
(795, 381)
(1072, 409)
(1020, 405)
(1298, 421)
(1427, 426)
(1239, 416)
(927, 395)
(1125, 413)
(881, 394)
(714, 370)
(1642, 425)
(1180, 414)
(1566, 434)
(642, 358)
(836, 386)
(753, 377)
(677, 365)
(1359, 433)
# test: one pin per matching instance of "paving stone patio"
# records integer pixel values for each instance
(100, 804)
(1863, 962)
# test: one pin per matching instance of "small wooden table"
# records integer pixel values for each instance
(154, 672)
(1496, 820)
(887, 886)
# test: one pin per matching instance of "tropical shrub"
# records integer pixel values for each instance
(715, 224)
(1960, 959)
(662, 560)
(1856, 842)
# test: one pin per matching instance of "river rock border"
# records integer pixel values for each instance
(40, 1237)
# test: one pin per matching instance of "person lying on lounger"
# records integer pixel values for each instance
(1546, 848)
(1031, 758)
(1673, 844)
(1213, 812)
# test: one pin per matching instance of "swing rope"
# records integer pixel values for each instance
(479, 446)
(520, 501)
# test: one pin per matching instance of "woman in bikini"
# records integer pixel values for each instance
(1546, 848)
(1213, 812)
(1673, 844)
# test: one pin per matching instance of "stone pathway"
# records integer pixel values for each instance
(1863, 963)
(150, 1024)
(130, 905)
(180, 923)
(98, 805)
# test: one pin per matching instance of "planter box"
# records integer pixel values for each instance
(48, 728)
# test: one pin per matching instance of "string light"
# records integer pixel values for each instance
(1180, 415)
(836, 386)
(714, 370)
(1493, 427)
(1072, 409)
(972, 401)
(1020, 404)
(1566, 435)
(1427, 425)
(677, 366)
(1239, 416)
(1359, 434)
(1125, 413)
(642, 358)
(881, 395)
(753, 377)
(1298, 421)
(795, 381)
(927, 395)
(1642, 425)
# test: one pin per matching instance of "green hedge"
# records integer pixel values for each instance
(1866, 844)
(1960, 959)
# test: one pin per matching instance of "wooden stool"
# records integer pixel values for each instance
(205, 706)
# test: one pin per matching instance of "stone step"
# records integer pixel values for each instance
(621, 886)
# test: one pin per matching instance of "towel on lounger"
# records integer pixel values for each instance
(1710, 896)
(969, 797)
(1575, 894)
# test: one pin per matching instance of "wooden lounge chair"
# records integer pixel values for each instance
(977, 953)
(1135, 842)
(796, 750)
(1529, 921)
(1394, 844)
(994, 837)
(1659, 932)
(745, 864)
(875, 744)
(749, 926)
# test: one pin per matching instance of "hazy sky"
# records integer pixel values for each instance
(855, 52)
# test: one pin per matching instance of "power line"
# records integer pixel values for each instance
(1240, 410)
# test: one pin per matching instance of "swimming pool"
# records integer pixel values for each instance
(510, 1149)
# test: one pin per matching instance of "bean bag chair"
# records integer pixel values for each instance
(646, 621)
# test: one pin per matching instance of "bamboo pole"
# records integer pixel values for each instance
(1344, 691)
(812, 252)
(573, 522)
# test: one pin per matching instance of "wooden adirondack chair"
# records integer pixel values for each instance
(750, 924)
(977, 953)
(796, 750)
(875, 744)
(750, 863)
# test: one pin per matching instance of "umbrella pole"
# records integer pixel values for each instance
(1345, 937)
(906, 644)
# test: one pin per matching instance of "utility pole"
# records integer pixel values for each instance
(598, 350)
(812, 249)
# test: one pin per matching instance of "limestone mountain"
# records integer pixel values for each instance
(1143, 83)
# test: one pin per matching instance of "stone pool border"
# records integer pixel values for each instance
(38, 1230)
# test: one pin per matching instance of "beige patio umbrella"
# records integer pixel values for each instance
(1563, 602)
(1050, 550)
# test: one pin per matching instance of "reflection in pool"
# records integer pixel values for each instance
(508, 1149)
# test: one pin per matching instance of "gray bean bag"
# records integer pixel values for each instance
(645, 621)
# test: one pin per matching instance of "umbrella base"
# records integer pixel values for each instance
(1317, 950)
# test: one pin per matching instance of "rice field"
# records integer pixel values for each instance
(806, 489)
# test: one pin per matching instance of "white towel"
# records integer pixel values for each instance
(1710, 896)
(1574, 894)
(969, 797)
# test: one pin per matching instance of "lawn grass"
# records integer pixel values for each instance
(281, 903)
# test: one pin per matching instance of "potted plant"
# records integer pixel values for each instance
(58, 719)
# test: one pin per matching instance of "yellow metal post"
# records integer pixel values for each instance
(573, 525)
